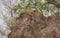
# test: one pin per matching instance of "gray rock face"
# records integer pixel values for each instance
(4, 16)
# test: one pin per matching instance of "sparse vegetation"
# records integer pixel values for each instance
(30, 18)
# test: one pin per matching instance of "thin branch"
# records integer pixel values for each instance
(54, 2)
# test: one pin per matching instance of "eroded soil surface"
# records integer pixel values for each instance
(35, 25)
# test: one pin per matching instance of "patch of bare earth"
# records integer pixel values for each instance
(35, 25)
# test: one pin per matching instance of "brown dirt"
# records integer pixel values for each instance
(35, 25)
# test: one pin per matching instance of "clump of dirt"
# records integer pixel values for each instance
(35, 25)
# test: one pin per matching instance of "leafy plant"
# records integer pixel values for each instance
(12, 23)
(26, 6)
